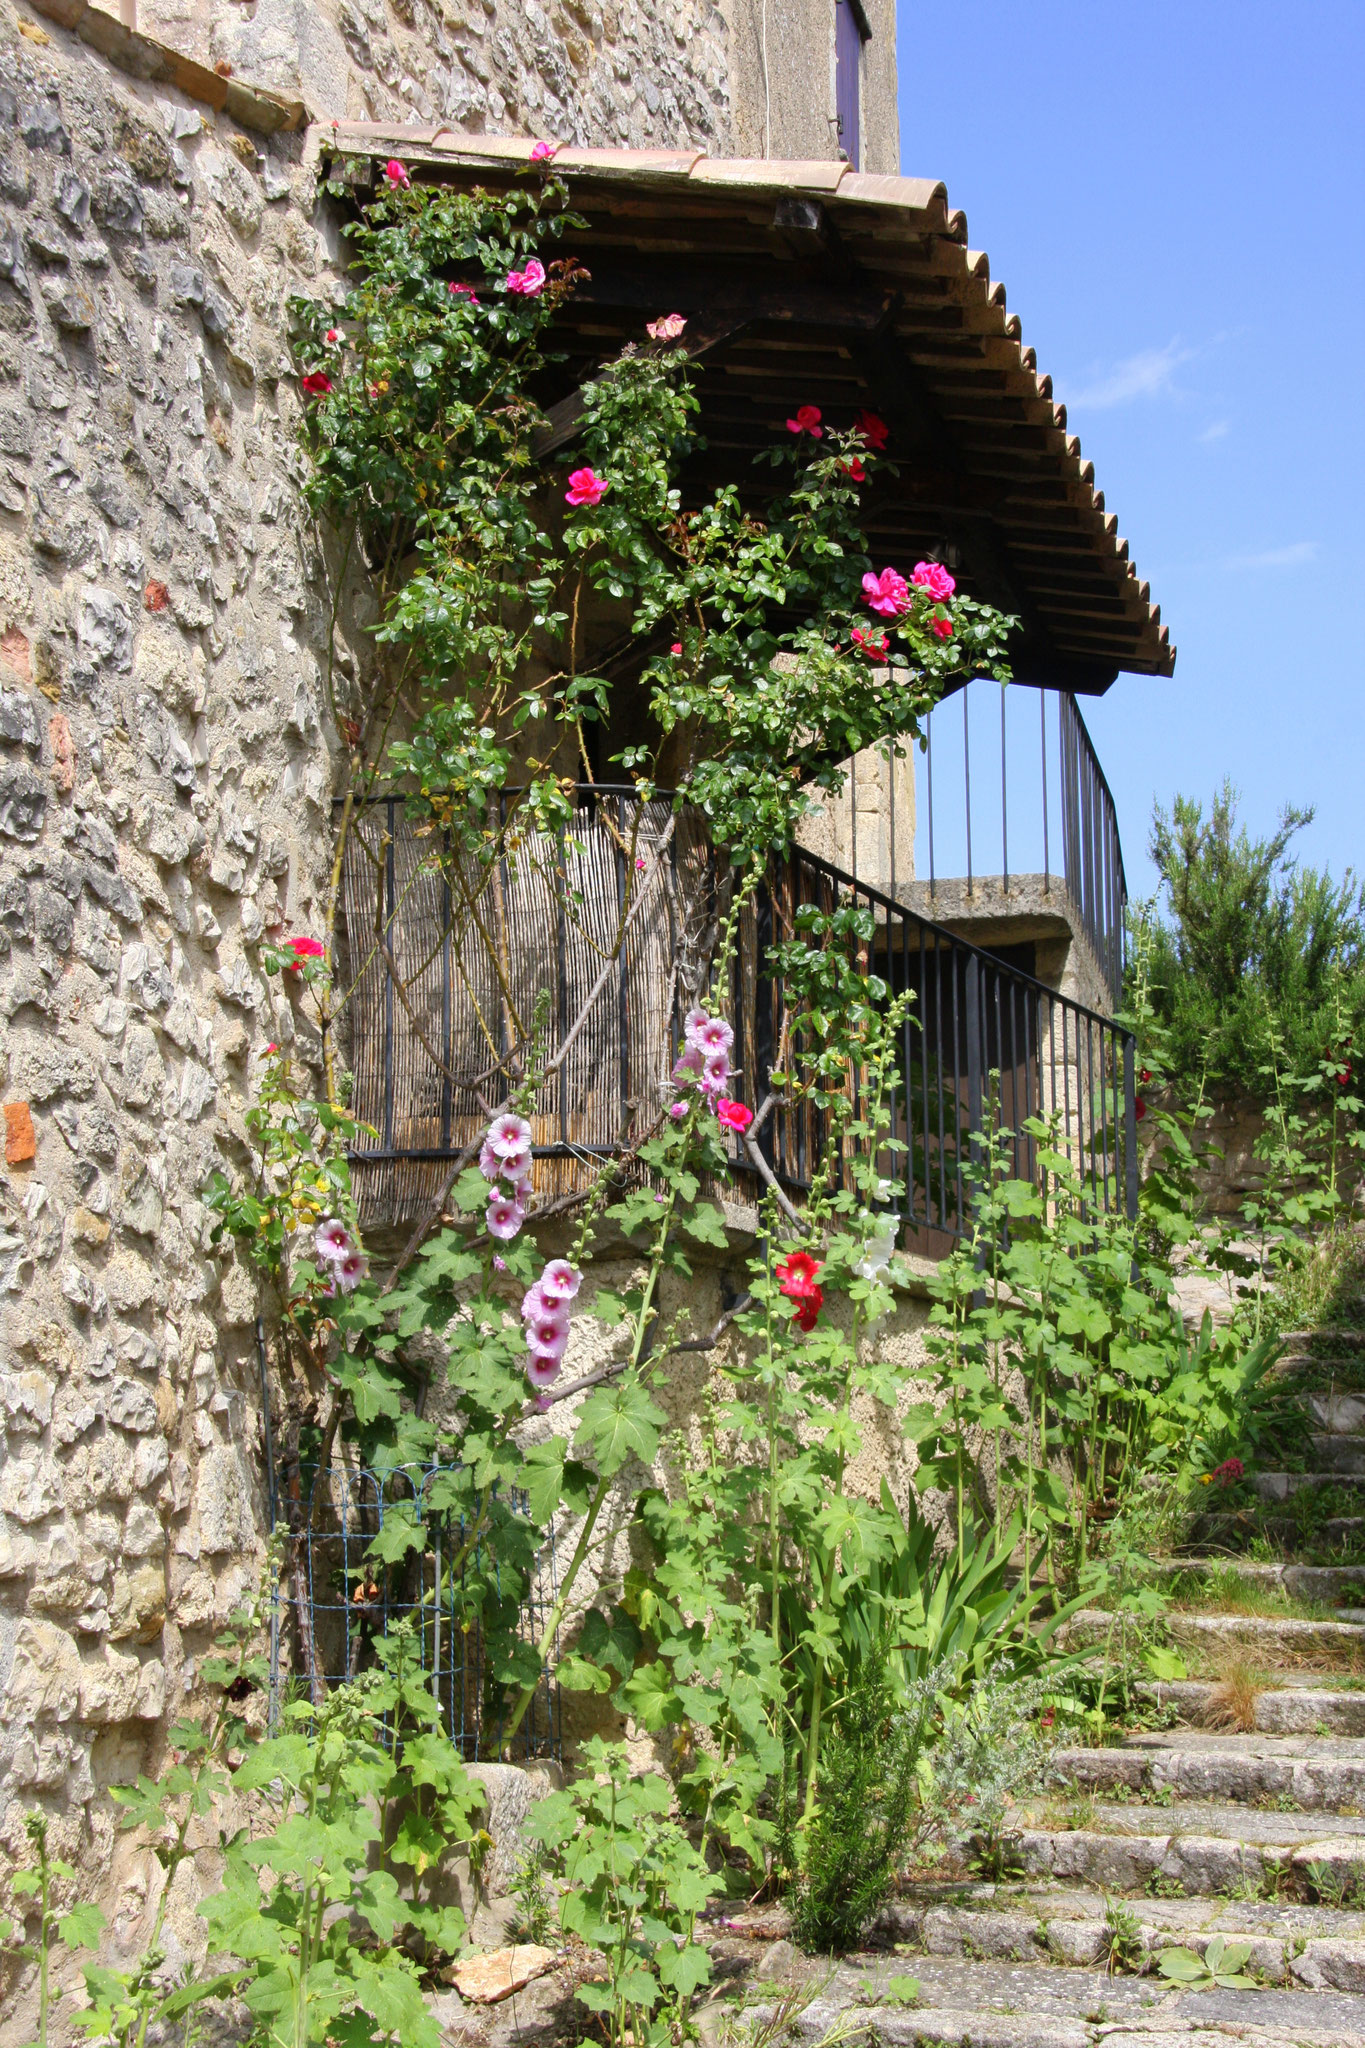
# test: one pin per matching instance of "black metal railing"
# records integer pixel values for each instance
(1004, 791)
(603, 930)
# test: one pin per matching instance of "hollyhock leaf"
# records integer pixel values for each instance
(707, 1225)
(613, 1640)
(619, 1423)
(543, 1473)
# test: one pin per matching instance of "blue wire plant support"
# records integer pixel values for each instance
(348, 1599)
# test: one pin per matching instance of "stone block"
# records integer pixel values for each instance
(25, 1400)
(45, 1677)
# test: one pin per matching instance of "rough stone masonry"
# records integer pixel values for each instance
(167, 770)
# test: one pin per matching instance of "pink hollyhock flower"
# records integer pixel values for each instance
(714, 1035)
(933, 577)
(503, 1218)
(508, 1134)
(348, 1273)
(715, 1070)
(528, 283)
(676, 648)
(543, 152)
(463, 291)
(888, 593)
(333, 1239)
(303, 949)
(942, 629)
(688, 1065)
(543, 1372)
(639, 863)
(586, 487)
(333, 334)
(733, 1116)
(317, 383)
(542, 1403)
(873, 429)
(549, 1331)
(399, 181)
(520, 1189)
(677, 1109)
(854, 468)
(666, 329)
(533, 1304)
(874, 645)
(560, 1281)
(807, 421)
(499, 1263)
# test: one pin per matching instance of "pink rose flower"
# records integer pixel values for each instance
(302, 949)
(586, 488)
(853, 468)
(933, 577)
(397, 176)
(543, 152)
(874, 645)
(888, 593)
(508, 1135)
(666, 329)
(463, 291)
(503, 1218)
(942, 629)
(560, 1281)
(317, 383)
(807, 421)
(528, 283)
(733, 1116)
(676, 648)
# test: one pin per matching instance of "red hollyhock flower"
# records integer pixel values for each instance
(873, 429)
(1344, 1077)
(807, 421)
(798, 1279)
(317, 383)
(1139, 1109)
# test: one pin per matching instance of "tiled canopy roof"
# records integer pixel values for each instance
(811, 282)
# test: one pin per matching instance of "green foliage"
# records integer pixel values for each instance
(856, 1838)
(634, 1885)
(1222, 1966)
(1254, 949)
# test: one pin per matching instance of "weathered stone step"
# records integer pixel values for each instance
(1269, 1638)
(1240, 1525)
(1327, 1583)
(980, 2004)
(1317, 1773)
(1336, 1410)
(1338, 1450)
(1312, 1705)
(1311, 1945)
(1280, 1485)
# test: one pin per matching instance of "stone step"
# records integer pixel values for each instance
(1334, 1410)
(986, 2004)
(1268, 1638)
(1312, 1945)
(1315, 1773)
(1327, 1583)
(1312, 1705)
(1239, 1525)
(1280, 1485)
(1198, 1851)
(1337, 1450)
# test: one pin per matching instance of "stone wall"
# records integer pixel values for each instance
(164, 802)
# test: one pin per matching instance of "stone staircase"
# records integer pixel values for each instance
(1239, 1812)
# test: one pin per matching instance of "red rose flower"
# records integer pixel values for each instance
(317, 383)
(1139, 1109)
(942, 629)
(807, 421)
(874, 645)
(303, 949)
(873, 429)
(853, 468)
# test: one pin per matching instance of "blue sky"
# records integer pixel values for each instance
(1174, 197)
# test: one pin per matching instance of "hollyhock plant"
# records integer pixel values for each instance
(333, 1240)
(586, 488)
(548, 1331)
(873, 429)
(807, 421)
(798, 1278)
(396, 173)
(933, 577)
(888, 593)
(666, 329)
(504, 1217)
(317, 383)
(528, 283)
(560, 1281)
(732, 1115)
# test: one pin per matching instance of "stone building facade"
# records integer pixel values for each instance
(167, 759)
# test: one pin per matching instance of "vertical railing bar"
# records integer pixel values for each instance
(622, 976)
(389, 911)
(562, 982)
(967, 778)
(891, 818)
(1004, 794)
(929, 780)
(1042, 720)
(1130, 1150)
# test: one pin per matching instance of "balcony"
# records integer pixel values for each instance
(577, 953)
